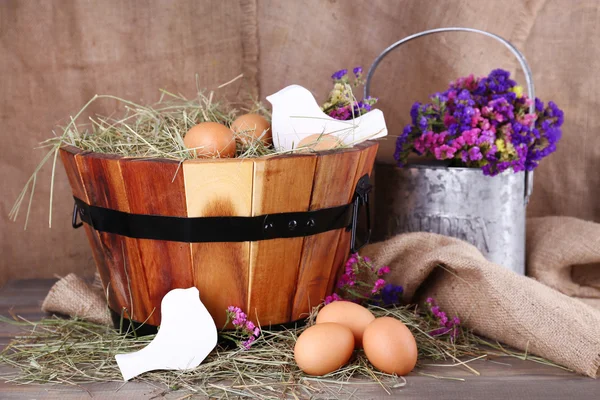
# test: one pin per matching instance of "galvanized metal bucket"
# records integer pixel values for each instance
(488, 212)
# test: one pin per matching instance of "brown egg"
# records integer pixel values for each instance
(319, 141)
(351, 315)
(390, 346)
(323, 348)
(253, 125)
(210, 140)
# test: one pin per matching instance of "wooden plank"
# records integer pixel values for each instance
(104, 186)
(281, 184)
(220, 188)
(368, 152)
(157, 187)
(69, 155)
(334, 176)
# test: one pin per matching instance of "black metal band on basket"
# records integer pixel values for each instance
(229, 229)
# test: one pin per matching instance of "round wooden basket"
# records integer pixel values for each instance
(276, 280)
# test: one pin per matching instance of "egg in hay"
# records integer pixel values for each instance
(323, 348)
(210, 139)
(353, 316)
(252, 127)
(390, 346)
(319, 142)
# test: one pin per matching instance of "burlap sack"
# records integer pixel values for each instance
(492, 300)
(564, 253)
(74, 297)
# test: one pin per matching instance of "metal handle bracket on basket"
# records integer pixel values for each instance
(510, 46)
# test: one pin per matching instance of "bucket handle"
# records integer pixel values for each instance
(510, 46)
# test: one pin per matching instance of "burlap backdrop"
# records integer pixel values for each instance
(55, 55)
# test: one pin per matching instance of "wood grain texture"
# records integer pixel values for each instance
(507, 378)
(220, 188)
(368, 152)
(157, 187)
(332, 186)
(69, 156)
(104, 187)
(276, 281)
(281, 184)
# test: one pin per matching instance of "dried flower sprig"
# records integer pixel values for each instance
(364, 283)
(341, 103)
(246, 332)
(448, 326)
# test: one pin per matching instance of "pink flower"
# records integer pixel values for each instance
(332, 298)
(379, 283)
(528, 119)
(449, 120)
(383, 270)
(458, 143)
(471, 136)
(444, 152)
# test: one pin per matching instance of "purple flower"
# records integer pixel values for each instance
(475, 154)
(247, 343)
(339, 74)
(250, 325)
(357, 71)
(390, 295)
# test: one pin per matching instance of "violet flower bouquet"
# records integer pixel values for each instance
(482, 123)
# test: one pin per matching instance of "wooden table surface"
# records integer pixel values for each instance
(513, 379)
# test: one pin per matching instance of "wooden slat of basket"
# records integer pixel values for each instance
(157, 187)
(274, 263)
(125, 279)
(220, 188)
(69, 155)
(333, 186)
(368, 152)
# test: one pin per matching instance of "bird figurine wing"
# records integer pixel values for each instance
(296, 115)
(186, 336)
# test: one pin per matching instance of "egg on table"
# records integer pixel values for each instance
(252, 127)
(323, 348)
(353, 316)
(210, 139)
(319, 142)
(390, 346)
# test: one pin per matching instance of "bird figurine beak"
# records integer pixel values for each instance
(296, 115)
(186, 337)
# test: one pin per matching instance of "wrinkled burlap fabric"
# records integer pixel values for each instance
(72, 296)
(492, 300)
(564, 253)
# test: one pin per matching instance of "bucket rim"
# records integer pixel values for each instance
(442, 167)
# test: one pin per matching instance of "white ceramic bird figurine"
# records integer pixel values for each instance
(296, 115)
(186, 336)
